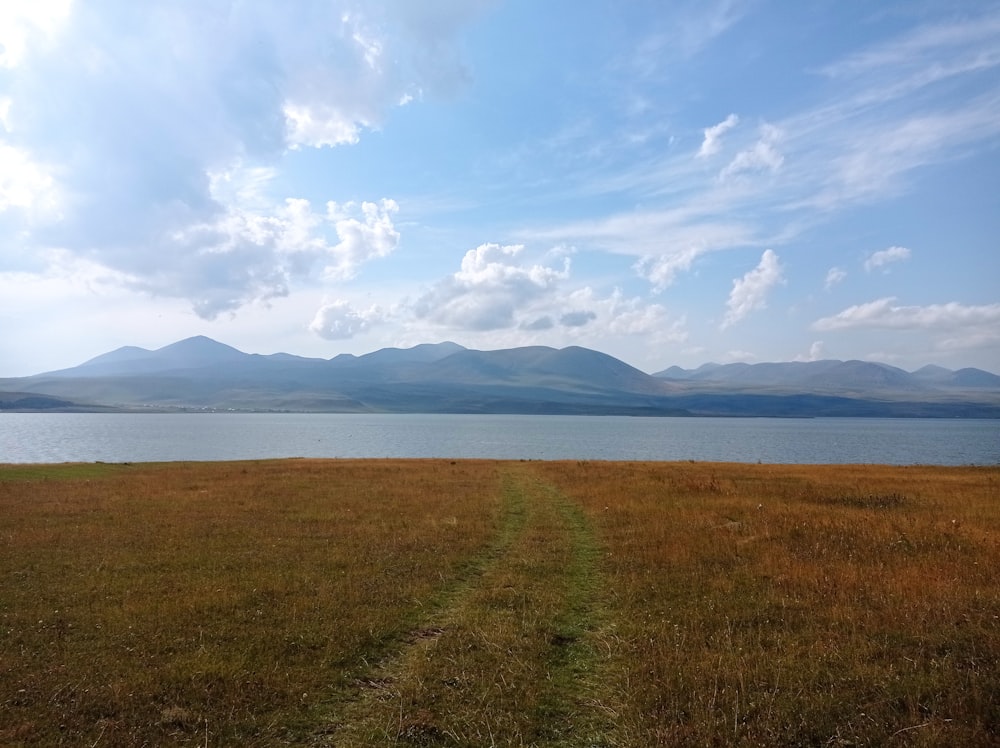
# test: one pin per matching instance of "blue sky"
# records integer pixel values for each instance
(671, 183)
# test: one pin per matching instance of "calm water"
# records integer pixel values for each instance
(86, 437)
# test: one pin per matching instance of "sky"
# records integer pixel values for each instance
(672, 183)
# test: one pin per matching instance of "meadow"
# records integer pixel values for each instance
(477, 603)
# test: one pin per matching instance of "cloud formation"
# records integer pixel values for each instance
(490, 290)
(751, 291)
(815, 352)
(243, 256)
(713, 135)
(169, 101)
(833, 277)
(886, 257)
(885, 314)
(338, 320)
(761, 157)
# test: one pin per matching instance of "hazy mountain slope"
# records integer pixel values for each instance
(204, 374)
(833, 376)
(572, 368)
(974, 378)
(423, 353)
(192, 353)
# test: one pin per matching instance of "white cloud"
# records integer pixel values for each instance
(713, 135)
(750, 292)
(338, 320)
(246, 256)
(23, 22)
(815, 352)
(666, 242)
(621, 322)
(319, 126)
(373, 236)
(490, 290)
(834, 276)
(884, 314)
(148, 142)
(5, 103)
(762, 156)
(663, 271)
(503, 299)
(885, 257)
(25, 184)
(633, 316)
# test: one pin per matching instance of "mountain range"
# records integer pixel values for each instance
(202, 374)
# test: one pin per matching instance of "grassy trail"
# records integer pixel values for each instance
(477, 603)
(511, 657)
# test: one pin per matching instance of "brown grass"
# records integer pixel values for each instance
(219, 603)
(800, 605)
(477, 603)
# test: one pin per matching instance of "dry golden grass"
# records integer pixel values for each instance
(220, 603)
(476, 603)
(800, 605)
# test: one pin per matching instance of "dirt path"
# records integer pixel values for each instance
(512, 657)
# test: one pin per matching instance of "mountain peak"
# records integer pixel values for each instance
(446, 377)
(200, 344)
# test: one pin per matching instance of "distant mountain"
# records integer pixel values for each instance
(191, 353)
(970, 377)
(933, 374)
(833, 376)
(201, 373)
(423, 353)
(573, 368)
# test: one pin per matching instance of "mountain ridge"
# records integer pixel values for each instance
(201, 373)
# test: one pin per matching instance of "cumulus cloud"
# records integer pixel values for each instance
(144, 141)
(885, 314)
(713, 135)
(361, 239)
(338, 320)
(762, 157)
(617, 316)
(490, 289)
(245, 256)
(512, 300)
(886, 257)
(751, 291)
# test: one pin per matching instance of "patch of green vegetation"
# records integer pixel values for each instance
(63, 471)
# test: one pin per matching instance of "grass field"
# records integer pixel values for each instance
(477, 603)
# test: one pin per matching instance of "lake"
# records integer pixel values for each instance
(129, 437)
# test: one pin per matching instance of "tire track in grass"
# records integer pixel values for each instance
(510, 658)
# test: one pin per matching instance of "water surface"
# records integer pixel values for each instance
(130, 437)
